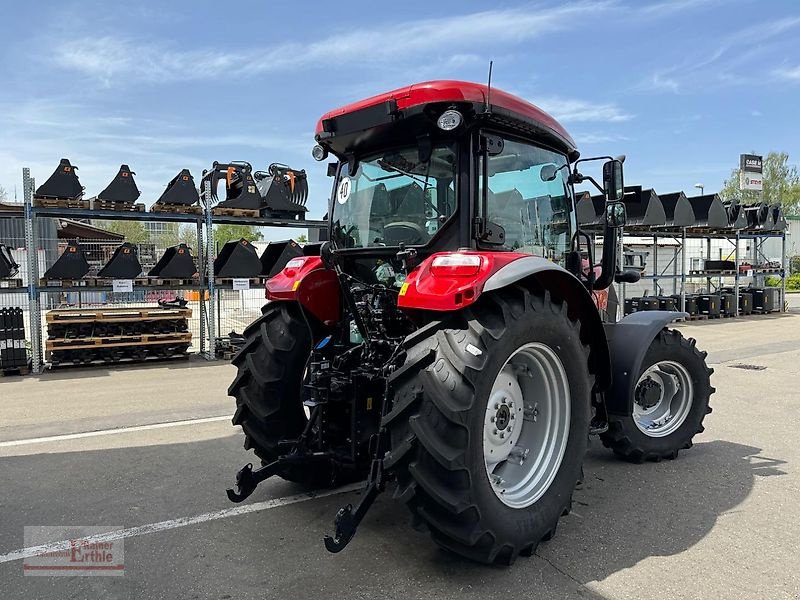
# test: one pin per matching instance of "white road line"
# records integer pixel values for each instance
(175, 523)
(87, 434)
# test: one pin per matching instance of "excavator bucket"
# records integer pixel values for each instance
(240, 187)
(181, 190)
(736, 216)
(176, 263)
(285, 191)
(590, 210)
(778, 220)
(277, 254)
(63, 184)
(709, 212)
(72, 264)
(8, 267)
(237, 259)
(124, 263)
(643, 208)
(757, 215)
(677, 210)
(122, 188)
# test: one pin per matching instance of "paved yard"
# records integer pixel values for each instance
(722, 521)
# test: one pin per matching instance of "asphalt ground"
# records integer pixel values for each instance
(721, 521)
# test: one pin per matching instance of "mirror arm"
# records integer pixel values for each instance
(609, 260)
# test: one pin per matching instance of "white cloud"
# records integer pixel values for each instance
(111, 57)
(789, 74)
(575, 111)
(599, 138)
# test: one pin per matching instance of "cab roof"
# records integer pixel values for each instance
(443, 91)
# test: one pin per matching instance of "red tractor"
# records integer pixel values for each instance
(446, 337)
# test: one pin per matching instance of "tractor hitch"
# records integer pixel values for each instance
(247, 480)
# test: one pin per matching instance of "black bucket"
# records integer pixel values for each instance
(124, 264)
(176, 263)
(181, 190)
(277, 254)
(778, 220)
(122, 188)
(677, 209)
(643, 208)
(237, 259)
(736, 216)
(285, 190)
(709, 212)
(240, 189)
(63, 184)
(590, 210)
(757, 215)
(8, 266)
(72, 264)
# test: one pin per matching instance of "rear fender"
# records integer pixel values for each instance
(628, 341)
(563, 285)
(307, 281)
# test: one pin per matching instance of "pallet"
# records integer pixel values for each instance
(49, 202)
(181, 209)
(11, 284)
(116, 315)
(117, 206)
(109, 281)
(10, 371)
(697, 318)
(160, 282)
(229, 280)
(67, 283)
(102, 362)
(222, 211)
(147, 339)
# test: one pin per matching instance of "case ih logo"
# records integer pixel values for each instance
(751, 163)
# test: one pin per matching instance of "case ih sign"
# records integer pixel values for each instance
(750, 172)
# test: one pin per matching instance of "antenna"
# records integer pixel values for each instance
(489, 90)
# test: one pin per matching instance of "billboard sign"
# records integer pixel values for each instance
(750, 172)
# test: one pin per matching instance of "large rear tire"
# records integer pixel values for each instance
(670, 402)
(449, 410)
(268, 386)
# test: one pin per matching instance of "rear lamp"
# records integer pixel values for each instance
(456, 265)
(319, 152)
(449, 120)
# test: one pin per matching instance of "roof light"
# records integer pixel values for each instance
(456, 265)
(449, 120)
(319, 152)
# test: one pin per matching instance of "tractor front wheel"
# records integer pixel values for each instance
(489, 424)
(670, 401)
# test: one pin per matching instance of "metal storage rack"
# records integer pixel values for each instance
(206, 253)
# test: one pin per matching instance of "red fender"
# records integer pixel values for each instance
(307, 281)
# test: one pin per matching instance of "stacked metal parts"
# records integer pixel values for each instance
(113, 335)
(13, 353)
(278, 192)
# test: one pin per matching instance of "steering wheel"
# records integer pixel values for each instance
(406, 232)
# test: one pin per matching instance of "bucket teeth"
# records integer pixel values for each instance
(63, 184)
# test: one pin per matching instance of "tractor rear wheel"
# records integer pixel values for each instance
(670, 401)
(268, 386)
(489, 424)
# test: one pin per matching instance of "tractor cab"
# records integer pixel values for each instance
(448, 165)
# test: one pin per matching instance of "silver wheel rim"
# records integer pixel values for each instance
(662, 398)
(526, 425)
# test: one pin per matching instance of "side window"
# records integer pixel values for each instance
(528, 197)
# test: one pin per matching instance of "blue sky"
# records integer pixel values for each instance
(681, 87)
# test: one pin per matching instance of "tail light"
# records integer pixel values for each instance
(294, 265)
(456, 265)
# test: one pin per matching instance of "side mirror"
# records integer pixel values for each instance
(613, 185)
(615, 214)
(548, 172)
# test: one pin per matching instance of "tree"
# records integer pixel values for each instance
(134, 231)
(227, 233)
(187, 234)
(302, 238)
(781, 184)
